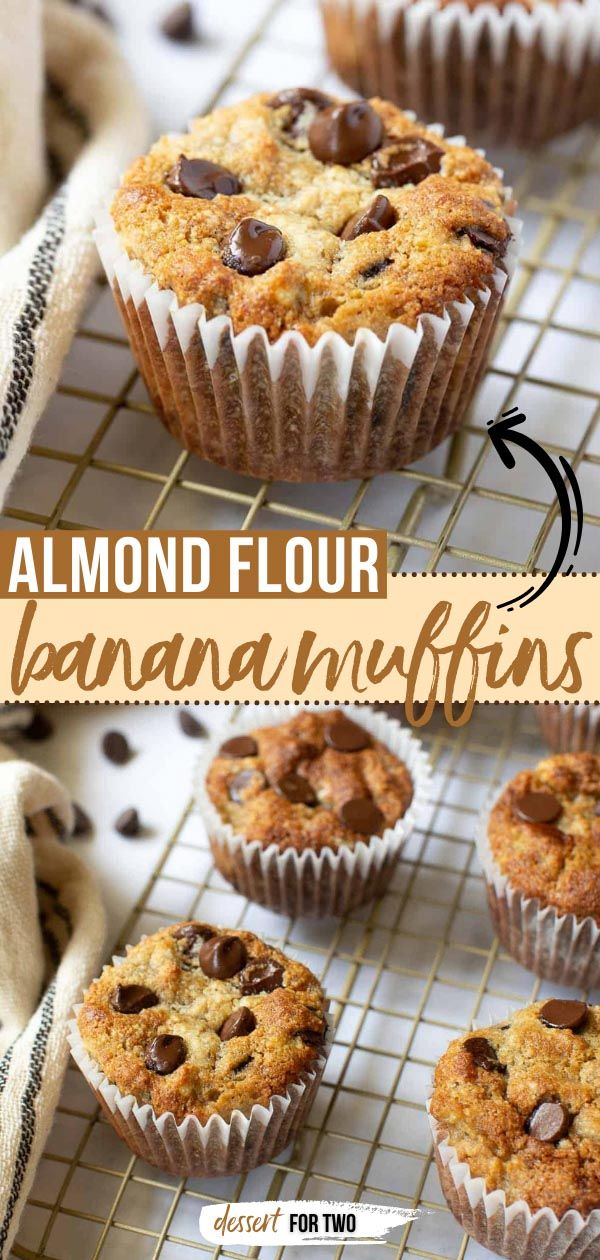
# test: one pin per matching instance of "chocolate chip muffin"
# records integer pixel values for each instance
(503, 71)
(518, 1105)
(305, 240)
(569, 727)
(200, 1023)
(307, 815)
(541, 856)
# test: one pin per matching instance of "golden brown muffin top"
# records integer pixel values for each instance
(200, 1021)
(444, 202)
(544, 833)
(520, 1103)
(318, 781)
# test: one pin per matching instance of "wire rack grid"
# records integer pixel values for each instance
(404, 975)
(101, 460)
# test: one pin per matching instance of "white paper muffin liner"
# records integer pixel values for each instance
(503, 75)
(218, 1148)
(558, 947)
(295, 412)
(511, 1230)
(570, 728)
(331, 882)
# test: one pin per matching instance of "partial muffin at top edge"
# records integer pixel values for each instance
(519, 1102)
(320, 780)
(365, 217)
(201, 1021)
(544, 833)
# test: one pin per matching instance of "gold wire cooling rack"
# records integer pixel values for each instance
(404, 976)
(100, 459)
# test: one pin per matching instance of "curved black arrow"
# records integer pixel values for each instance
(501, 433)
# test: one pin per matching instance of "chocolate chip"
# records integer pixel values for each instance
(374, 270)
(563, 1013)
(243, 1063)
(363, 815)
(484, 240)
(39, 728)
(346, 736)
(82, 825)
(192, 933)
(242, 781)
(222, 957)
(115, 747)
(190, 725)
(483, 1054)
(254, 247)
(345, 133)
(312, 1036)
(297, 99)
(239, 746)
(538, 807)
(178, 25)
(130, 999)
(128, 823)
(548, 1122)
(407, 161)
(261, 977)
(165, 1054)
(196, 177)
(378, 217)
(240, 1023)
(296, 789)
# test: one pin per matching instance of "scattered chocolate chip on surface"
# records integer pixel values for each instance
(483, 1054)
(484, 240)
(128, 823)
(242, 781)
(179, 24)
(222, 957)
(165, 1054)
(261, 977)
(254, 247)
(115, 747)
(564, 1013)
(363, 815)
(196, 177)
(376, 268)
(549, 1122)
(408, 160)
(538, 807)
(297, 99)
(190, 725)
(130, 999)
(82, 825)
(346, 736)
(40, 727)
(378, 217)
(190, 933)
(296, 789)
(239, 746)
(239, 1024)
(345, 134)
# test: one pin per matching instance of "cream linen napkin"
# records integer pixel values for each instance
(70, 120)
(51, 936)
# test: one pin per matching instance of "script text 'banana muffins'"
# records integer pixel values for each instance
(205, 1048)
(505, 71)
(310, 286)
(515, 1115)
(540, 851)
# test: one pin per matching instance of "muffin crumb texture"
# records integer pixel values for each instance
(318, 781)
(544, 833)
(303, 212)
(202, 1021)
(520, 1104)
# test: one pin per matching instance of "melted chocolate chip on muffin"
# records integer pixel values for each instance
(545, 838)
(532, 1128)
(317, 781)
(265, 212)
(220, 1035)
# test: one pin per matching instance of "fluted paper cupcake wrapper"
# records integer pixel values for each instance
(570, 728)
(218, 1148)
(558, 947)
(296, 412)
(511, 1230)
(331, 882)
(508, 74)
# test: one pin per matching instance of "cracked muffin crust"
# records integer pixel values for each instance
(520, 1103)
(200, 1021)
(318, 781)
(303, 212)
(544, 833)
